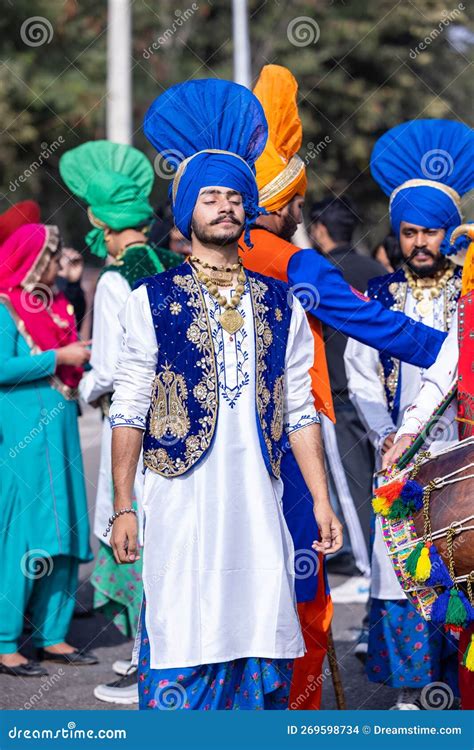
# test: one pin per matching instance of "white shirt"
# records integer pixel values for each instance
(110, 297)
(218, 557)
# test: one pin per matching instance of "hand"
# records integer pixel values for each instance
(387, 443)
(393, 454)
(124, 539)
(76, 354)
(71, 265)
(330, 530)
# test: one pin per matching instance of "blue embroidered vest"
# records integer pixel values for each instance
(182, 417)
(391, 291)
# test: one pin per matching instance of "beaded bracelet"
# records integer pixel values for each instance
(115, 515)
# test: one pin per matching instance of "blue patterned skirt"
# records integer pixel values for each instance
(405, 650)
(252, 684)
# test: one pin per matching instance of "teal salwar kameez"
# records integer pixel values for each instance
(44, 526)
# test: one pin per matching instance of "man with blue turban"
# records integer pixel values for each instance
(212, 381)
(425, 166)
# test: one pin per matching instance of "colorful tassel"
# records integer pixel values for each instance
(423, 566)
(440, 608)
(398, 509)
(381, 505)
(390, 491)
(439, 572)
(452, 609)
(412, 560)
(412, 494)
(468, 658)
(459, 609)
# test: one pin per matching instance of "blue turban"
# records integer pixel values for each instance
(425, 166)
(210, 132)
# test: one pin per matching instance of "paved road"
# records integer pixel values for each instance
(72, 687)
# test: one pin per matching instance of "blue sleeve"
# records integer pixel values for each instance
(17, 369)
(333, 301)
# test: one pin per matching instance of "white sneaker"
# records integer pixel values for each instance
(355, 590)
(407, 700)
(123, 691)
(122, 666)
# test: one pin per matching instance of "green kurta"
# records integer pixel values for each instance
(43, 498)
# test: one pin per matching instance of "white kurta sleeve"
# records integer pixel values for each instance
(299, 409)
(110, 297)
(136, 364)
(366, 391)
(436, 382)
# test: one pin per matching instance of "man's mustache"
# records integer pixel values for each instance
(226, 218)
(422, 250)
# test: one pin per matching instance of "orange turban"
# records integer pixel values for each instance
(281, 173)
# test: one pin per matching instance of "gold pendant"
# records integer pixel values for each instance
(424, 307)
(231, 320)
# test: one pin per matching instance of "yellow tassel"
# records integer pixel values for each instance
(468, 660)
(423, 566)
(380, 505)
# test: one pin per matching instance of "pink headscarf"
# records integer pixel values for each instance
(44, 315)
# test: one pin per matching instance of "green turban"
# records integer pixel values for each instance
(115, 181)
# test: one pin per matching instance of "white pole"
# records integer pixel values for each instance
(242, 68)
(119, 72)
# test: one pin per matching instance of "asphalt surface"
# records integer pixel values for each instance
(68, 687)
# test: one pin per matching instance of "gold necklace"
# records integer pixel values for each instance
(231, 320)
(220, 275)
(434, 285)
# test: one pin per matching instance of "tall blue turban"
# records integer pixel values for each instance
(425, 166)
(210, 132)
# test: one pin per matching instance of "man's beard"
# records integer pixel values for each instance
(439, 262)
(289, 228)
(205, 235)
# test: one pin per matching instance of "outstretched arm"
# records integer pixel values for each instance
(338, 305)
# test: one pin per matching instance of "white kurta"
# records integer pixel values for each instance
(367, 392)
(218, 557)
(110, 297)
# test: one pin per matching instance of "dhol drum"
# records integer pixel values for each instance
(427, 516)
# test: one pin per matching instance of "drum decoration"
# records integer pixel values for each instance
(427, 571)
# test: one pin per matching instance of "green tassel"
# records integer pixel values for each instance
(412, 560)
(456, 613)
(398, 510)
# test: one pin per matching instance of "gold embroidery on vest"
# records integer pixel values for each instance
(205, 392)
(276, 428)
(169, 415)
(263, 339)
